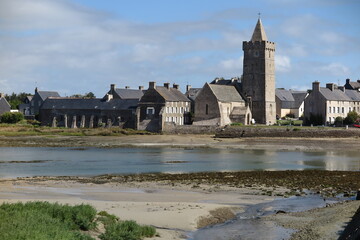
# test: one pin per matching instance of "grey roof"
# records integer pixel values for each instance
(284, 95)
(226, 93)
(299, 97)
(171, 94)
(87, 104)
(355, 85)
(4, 105)
(336, 95)
(225, 82)
(192, 93)
(129, 93)
(354, 95)
(290, 99)
(45, 94)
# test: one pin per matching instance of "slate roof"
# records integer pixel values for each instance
(45, 94)
(355, 85)
(4, 105)
(336, 95)
(225, 82)
(354, 95)
(171, 94)
(89, 104)
(290, 99)
(192, 93)
(129, 93)
(259, 32)
(225, 93)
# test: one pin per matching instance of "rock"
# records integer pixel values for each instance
(280, 212)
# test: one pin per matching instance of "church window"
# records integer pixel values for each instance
(207, 109)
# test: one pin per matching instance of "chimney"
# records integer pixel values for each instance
(112, 88)
(348, 81)
(188, 87)
(176, 86)
(316, 86)
(36, 90)
(152, 85)
(167, 85)
(330, 86)
(127, 87)
(141, 87)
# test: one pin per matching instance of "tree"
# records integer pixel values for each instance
(351, 117)
(16, 99)
(87, 95)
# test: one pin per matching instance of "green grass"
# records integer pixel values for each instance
(43, 221)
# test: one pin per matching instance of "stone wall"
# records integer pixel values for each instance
(294, 131)
(190, 129)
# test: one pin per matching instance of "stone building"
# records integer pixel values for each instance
(191, 94)
(258, 81)
(4, 105)
(162, 105)
(352, 85)
(220, 104)
(125, 93)
(38, 99)
(323, 105)
(24, 108)
(289, 102)
(89, 113)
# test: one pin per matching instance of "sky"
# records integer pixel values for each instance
(80, 46)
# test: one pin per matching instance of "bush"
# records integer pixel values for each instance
(12, 117)
(351, 117)
(127, 230)
(42, 221)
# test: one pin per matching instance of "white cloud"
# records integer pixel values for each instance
(335, 69)
(282, 63)
(232, 64)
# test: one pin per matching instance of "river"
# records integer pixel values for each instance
(44, 161)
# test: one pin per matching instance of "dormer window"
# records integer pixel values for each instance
(150, 111)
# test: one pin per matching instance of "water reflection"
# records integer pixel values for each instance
(96, 161)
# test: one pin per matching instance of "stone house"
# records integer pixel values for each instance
(191, 94)
(125, 93)
(325, 104)
(4, 105)
(79, 112)
(161, 106)
(289, 102)
(24, 108)
(352, 85)
(38, 99)
(220, 105)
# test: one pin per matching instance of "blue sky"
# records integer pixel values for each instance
(85, 45)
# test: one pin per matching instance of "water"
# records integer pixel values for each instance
(21, 162)
(250, 225)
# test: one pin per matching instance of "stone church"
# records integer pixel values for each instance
(252, 96)
(258, 82)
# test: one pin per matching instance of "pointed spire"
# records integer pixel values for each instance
(259, 32)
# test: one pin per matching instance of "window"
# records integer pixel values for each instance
(338, 110)
(342, 110)
(150, 111)
(333, 109)
(207, 109)
(329, 109)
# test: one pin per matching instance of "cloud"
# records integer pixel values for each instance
(282, 63)
(232, 64)
(335, 69)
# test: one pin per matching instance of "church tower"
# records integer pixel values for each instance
(258, 83)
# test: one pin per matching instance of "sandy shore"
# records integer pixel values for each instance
(177, 210)
(174, 211)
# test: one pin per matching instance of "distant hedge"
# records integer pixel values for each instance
(12, 117)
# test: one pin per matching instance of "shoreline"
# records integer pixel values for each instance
(176, 208)
(184, 141)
